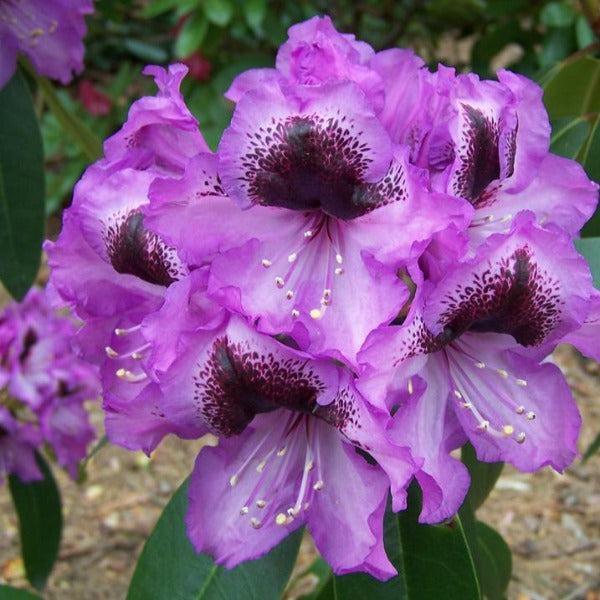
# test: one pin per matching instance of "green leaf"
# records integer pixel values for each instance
(218, 12)
(192, 35)
(557, 14)
(483, 476)
(324, 587)
(428, 558)
(89, 143)
(592, 449)
(157, 7)
(590, 248)
(145, 51)
(40, 523)
(584, 33)
(8, 592)
(582, 80)
(496, 562)
(21, 188)
(568, 136)
(254, 12)
(170, 568)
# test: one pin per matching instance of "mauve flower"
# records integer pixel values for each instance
(468, 357)
(307, 214)
(109, 268)
(49, 32)
(289, 426)
(46, 385)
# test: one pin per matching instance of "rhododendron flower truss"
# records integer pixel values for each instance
(49, 32)
(293, 437)
(473, 343)
(321, 215)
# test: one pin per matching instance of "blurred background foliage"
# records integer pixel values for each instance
(553, 41)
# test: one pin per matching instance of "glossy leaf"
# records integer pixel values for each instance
(170, 568)
(496, 562)
(429, 558)
(40, 523)
(582, 80)
(192, 35)
(8, 592)
(568, 136)
(590, 248)
(483, 476)
(21, 188)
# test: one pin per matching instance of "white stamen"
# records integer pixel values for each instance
(280, 519)
(508, 430)
(130, 377)
(318, 486)
(480, 365)
(308, 233)
(327, 293)
(244, 510)
(521, 382)
(281, 451)
(530, 415)
(261, 503)
(458, 394)
(483, 426)
(289, 294)
(292, 257)
(111, 353)
(506, 218)
(410, 386)
(520, 437)
(279, 282)
(502, 373)
(233, 480)
(466, 405)
(266, 263)
(339, 271)
(261, 466)
(338, 259)
(121, 332)
(520, 409)
(295, 313)
(256, 523)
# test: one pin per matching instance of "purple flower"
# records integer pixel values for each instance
(289, 428)
(468, 355)
(307, 215)
(113, 271)
(49, 32)
(45, 386)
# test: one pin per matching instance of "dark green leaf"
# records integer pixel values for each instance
(192, 35)
(483, 476)
(568, 136)
(559, 43)
(170, 568)
(429, 558)
(40, 523)
(218, 12)
(582, 80)
(557, 14)
(157, 7)
(496, 562)
(21, 188)
(145, 51)
(254, 12)
(590, 248)
(11, 593)
(592, 449)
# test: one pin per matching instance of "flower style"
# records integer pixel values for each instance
(467, 358)
(49, 32)
(110, 268)
(289, 428)
(45, 387)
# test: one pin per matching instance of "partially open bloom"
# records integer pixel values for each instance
(44, 386)
(49, 32)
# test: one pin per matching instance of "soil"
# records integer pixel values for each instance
(551, 521)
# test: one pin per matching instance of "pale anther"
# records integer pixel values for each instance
(308, 233)
(111, 353)
(256, 523)
(266, 263)
(483, 426)
(530, 415)
(326, 293)
(292, 257)
(521, 382)
(410, 386)
(315, 313)
(339, 271)
(508, 430)
(280, 519)
(244, 510)
(261, 503)
(520, 410)
(281, 451)
(520, 437)
(295, 313)
(338, 259)
(502, 373)
(137, 355)
(466, 405)
(233, 480)
(318, 486)
(279, 282)
(458, 394)
(289, 294)
(261, 466)
(480, 365)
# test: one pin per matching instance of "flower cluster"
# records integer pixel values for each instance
(43, 386)
(367, 273)
(49, 32)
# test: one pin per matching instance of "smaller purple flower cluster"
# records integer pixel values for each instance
(43, 387)
(49, 32)
(369, 272)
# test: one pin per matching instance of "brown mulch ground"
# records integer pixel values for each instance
(551, 521)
